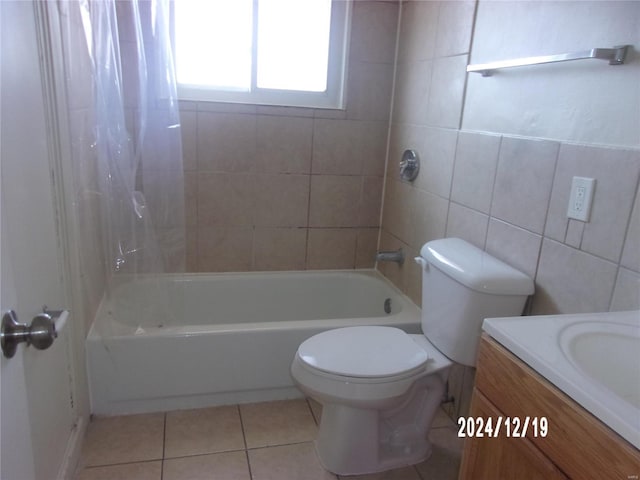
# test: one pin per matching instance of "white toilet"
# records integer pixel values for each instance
(379, 386)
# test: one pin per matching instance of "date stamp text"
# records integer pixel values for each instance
(511, 427)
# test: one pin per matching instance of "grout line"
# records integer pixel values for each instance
(390, 122)
(244, 436)
(262, 447)
(246, 455)
(205, 454)
(244, 440)
(313, 415)
(164, 444)
(129, 462)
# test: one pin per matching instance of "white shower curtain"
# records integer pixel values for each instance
(126, 153)
(137, 135)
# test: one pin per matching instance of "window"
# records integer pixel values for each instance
(274, 52)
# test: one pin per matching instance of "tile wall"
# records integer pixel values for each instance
(275, 188)
(506, 194)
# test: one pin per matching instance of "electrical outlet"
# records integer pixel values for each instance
(580, 198)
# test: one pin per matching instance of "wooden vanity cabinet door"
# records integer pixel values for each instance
(502, 457)
(581, 445)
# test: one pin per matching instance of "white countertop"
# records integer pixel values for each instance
(603, 379)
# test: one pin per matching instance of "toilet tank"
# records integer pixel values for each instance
(461, 286)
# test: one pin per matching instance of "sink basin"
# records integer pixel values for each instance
(607, 352)
(593, 358)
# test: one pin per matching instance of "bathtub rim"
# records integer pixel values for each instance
(409, 308)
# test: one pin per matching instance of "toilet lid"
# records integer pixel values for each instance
(363, 352)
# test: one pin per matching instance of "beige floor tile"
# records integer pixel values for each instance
(131, 438)
(316, 409)
(277, 423)
(406, 473)
(128, 471)
(201, 431)
(218, 466)
(287, 462)
(442, 419)
(445, 459)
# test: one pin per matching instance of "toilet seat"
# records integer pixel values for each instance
(382, 388)
(371, 353)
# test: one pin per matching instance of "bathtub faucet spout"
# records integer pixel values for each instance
(391, 256)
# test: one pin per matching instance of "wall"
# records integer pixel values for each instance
(275, 188)
(83, 223)
(508, 194)
(573, 101)
(83, 203)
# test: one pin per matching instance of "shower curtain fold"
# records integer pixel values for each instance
(138, 137)
(126, 137)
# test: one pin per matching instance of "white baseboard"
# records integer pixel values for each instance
(74, 449)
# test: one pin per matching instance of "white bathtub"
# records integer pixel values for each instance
(194, 340)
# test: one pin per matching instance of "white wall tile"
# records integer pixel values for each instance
(366, 247)
(369, 91)
(188, 128)
(571, 281)
(575, 101)
(226, 142)
(447, 91)
(631, 253)
(436, 148)
(411, 95)
(475, 170)
(279, 248)
(514, 246)
(370, 202)
(348, 147)
(283, 144)
(467, 224)
(626, 294)
(280, 200)
(398, 208)
(523, 182)
(616, 172)
(225, 249)
(429, 218)
(418, 30)
(373, 31)
(335, 200)
(331, 248)
(455, 24)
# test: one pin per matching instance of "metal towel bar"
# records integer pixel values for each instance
(615, 56)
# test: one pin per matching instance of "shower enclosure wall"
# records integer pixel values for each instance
(304, 194)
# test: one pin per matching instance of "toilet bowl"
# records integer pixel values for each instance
(380, 387)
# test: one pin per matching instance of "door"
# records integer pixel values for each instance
(36, 418)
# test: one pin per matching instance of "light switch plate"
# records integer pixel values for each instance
(581, 198)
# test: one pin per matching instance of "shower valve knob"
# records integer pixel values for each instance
(409, 165)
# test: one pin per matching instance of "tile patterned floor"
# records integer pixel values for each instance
(260, 441)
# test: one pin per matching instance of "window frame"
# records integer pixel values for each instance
(332, 98)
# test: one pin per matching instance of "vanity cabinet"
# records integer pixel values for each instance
(577, 444)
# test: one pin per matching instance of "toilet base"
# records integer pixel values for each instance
(353, 441)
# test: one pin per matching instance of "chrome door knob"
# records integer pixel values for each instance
(41, 333)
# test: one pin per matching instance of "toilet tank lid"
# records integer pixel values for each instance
(475, 268)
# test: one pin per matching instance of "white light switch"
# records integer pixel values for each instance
(580, 199)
